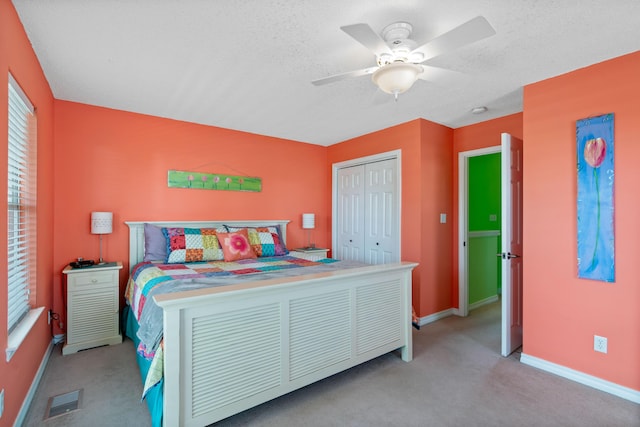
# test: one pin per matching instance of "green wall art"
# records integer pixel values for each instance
(213, 181)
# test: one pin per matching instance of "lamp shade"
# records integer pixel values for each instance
(308, 220)
(101, 222)
(396, 77)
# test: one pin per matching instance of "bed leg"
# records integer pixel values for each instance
(406, 353)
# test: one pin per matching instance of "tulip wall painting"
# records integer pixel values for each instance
(596, 244)
(213, 181)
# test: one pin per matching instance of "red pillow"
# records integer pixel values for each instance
(235, 245)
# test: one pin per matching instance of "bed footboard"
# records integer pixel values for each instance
(227, 350)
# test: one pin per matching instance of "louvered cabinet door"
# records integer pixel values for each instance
(92, 307)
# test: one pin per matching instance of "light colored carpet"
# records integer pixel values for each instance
(457, 378)
(111, 386)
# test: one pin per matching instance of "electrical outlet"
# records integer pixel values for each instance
(600, 344)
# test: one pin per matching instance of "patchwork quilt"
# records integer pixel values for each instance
(147, 275)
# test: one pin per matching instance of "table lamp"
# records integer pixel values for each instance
(101, 223)
(309, 223)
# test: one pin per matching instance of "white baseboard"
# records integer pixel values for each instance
(582, 378)
(436, 316)
(22, 414)
(482, 302)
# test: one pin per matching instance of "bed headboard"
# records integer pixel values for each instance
(136, 231)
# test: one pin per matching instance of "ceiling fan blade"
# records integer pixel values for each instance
(471, 31)
(441, 76)
(337, 77)
(364, 35)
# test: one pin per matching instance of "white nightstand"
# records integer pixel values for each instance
(92, 306)
(311, 254)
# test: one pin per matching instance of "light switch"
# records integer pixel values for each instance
(443, 218)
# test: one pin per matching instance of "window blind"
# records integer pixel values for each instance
(21, 191)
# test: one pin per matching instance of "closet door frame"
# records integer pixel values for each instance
(395, 154)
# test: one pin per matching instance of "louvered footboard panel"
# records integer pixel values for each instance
(233, 359)
(378, 315)
(320, 332)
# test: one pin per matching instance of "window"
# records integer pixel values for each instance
(21, 191)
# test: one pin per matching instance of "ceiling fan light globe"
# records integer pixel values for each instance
(396, 78)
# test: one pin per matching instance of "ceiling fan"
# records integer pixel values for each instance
(400, 59)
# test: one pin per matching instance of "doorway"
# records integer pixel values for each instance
(511, 176)
(485, 238)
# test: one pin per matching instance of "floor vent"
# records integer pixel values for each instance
(63, 404)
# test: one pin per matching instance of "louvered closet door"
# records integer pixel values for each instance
(350, 210)
(381, 207)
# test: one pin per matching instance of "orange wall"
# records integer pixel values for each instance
(561, 312)
(17, 57)
(435, 198)
(473, 137)
(425, 155)
(118, 161)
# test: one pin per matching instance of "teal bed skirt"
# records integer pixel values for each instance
(155, 395)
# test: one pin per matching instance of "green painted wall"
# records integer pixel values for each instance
(484, 276)
(484, 215)
(484, 192)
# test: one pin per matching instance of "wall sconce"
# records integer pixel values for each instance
(309, 223)
(101, 223)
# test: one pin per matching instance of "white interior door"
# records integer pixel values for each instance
(350, 212)
(511, 244)
(381, 233)
(366, 208)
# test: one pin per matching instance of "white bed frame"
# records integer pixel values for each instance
(232, 348)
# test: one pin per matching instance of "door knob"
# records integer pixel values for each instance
(507, 255)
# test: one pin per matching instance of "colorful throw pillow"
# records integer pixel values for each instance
(266, 241)
(192, 245)
(155, 244)
(236, 246)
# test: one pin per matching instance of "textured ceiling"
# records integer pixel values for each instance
(248, 65)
